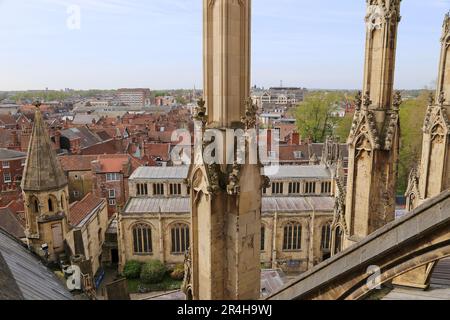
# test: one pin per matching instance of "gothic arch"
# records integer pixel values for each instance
(177, 222)
(52, 204)
(140, 222)
(34, 204)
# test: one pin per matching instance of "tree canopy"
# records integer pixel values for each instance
(412, 114)
(317, 119)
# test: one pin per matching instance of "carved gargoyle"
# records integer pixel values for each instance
(397, 101)
(367, 101)
(233, 187)
(358, 101)
(250, 118)
(200, 112)
(265, 182)
(214, 178)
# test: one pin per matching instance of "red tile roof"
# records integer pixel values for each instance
(76, 163)
(113, 163)
(81, 209)
(157, 150)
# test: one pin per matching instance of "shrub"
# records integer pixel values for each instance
(178, 272)
(132, 269)
(153, 272)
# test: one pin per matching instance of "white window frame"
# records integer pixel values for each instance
(111, 193)
(112, 202)
(5, 174)
(113, 177)
(6, 164)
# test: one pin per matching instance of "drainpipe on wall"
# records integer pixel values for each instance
(311, 235)
(274, 241)
(161, 238)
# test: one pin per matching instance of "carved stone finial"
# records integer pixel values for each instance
(358, 100)
(431, 99)
(213, 171)
(37, 104)
(265, 183)
(233, 187)
(251, 110)
(441, 98)
(367, 101)
(445, 27)
(200, 111)
(397, 100)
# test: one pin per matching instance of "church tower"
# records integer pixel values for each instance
(45, 192)
(432, 176)
(374, 137)
(226, 192)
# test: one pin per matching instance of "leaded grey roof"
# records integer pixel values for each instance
(156, 205)
(297, 172)
(269, 205)
(24, 277)
(297, 204)
(161, 173)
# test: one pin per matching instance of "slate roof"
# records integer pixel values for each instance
(7, 154)
(24, 277)
(86, 136)
(42, 171)
(11, 224)
(163, 173)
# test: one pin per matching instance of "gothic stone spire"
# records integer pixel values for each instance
(43, 171)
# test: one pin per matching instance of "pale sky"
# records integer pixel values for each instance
(157, 44)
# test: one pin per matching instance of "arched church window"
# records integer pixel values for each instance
(51, 206)
(326, 237)
(35, 206)
(142, 239)
(180, 238)
(292, 239)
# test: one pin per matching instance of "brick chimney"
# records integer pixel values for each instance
(75, 146)
(295, 139)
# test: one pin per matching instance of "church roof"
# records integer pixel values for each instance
(165, 173)
(297, 172)
(181, 205)
(43, 171)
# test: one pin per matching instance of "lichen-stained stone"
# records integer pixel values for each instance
(42, 170)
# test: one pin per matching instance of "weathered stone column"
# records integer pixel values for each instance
(374, 137)
(432, 176)
(226, 193)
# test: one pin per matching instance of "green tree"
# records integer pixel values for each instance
(343, 127)
(412, 113)
(315, 117)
